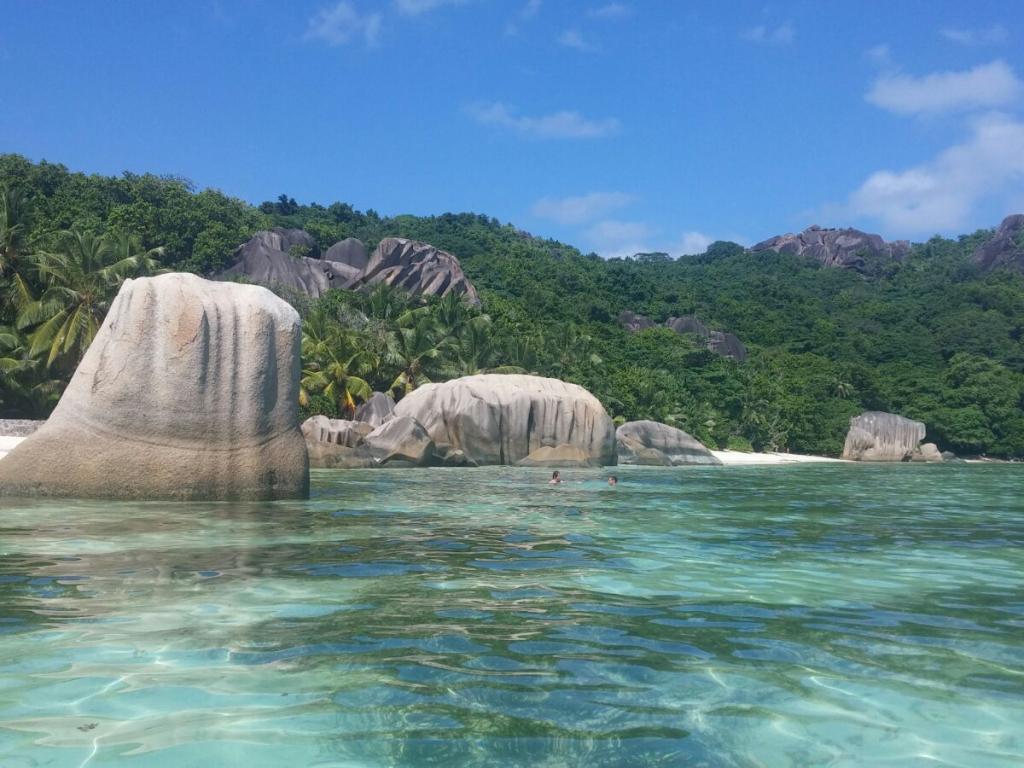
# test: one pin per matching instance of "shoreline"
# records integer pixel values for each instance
(742, 458)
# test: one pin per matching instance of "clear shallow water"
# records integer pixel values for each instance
(813, 615)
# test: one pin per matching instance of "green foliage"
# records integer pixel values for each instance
(929, 337)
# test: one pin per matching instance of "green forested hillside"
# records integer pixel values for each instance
(931, 338)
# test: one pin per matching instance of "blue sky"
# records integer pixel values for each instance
(615, 126)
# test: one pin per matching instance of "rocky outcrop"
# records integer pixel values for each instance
(19, 427)
(402, 441)
(835, 247)
(880, 436)
(568, 456)
(504, 418)
(651, 443)
(376, 410)
(189, 391)
(1005, 248)
(418, 268)
(286, 258)
(720, 342)
(321, 429)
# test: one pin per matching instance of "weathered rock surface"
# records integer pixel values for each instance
(402, 441)
(880, 436)
(189, 391)
(334, 456)
(350, 252)
(835, 247)
(653, 443)
(929, 452)
(1006, 246)
(503, 418)
(570, 456)
(274, 258)
(19, 427)
(720, 342)
(321, 429)
(376, 410)
(417, 268)
(265, 259)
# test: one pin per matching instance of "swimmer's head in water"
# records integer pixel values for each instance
(555, 475)
(613, 480)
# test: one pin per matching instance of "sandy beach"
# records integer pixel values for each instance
(735, 458)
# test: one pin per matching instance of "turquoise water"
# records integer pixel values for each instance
(788, 616)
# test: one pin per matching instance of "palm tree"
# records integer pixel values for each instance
(24, 388)
(14, 244)
(411, 349)
(80, 280)
(331, 363)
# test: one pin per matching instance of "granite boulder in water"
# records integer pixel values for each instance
(651, 443)
(504, 418)
(189, 391)
(880, 436)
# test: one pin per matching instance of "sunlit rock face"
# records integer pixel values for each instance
(504, 418)
(418, 268)
(376, 410)
(189, 391)
(652, 443)
(1005, 248)
(835, 247)
(880, 436)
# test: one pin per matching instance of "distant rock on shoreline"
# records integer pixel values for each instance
(880, 436)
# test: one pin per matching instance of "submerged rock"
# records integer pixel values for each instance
(651, 443)
(189, 391)
(835, 247)
(503, 418)
(880, 436)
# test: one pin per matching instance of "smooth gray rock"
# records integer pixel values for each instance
(635, 323)
(835, 247)
(334, 456)
(418, 268)
(350, 252)
(720, 342)
(1005, 248)
(402, 441)
(321, 429)
(376, 410)
(503, 418)
(880, 436)
(676, 446)
(189, 391)
(634, 452)
(688, 324)
(265, 259)
(929, 452)
(570, 456)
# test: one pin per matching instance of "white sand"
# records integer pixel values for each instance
(7, 444)
(734, 458)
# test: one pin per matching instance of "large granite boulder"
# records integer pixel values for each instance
(321, 429)
(653, 443)
(835, 247)
(189, 391)
(635, 323)
(880, 436)
(376, 410)
(566, 456)
(275, 258)
(720, 342)
(402, 441)
(350, 252)
(19, 427)
(503, 418)
(417, 268)
(1005, 248)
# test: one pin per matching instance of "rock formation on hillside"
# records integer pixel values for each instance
(720, 342)
(651, 443)
(880, 436)
(504, 418)
(835, 247)
(189, 391)
(1006, 246)
(417, 268)
(287, 257)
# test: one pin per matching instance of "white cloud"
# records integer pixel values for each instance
(341, 23)
(694, 243)
(572, 38)
(611, 11)
(880, 55)
(784, 34)
(617, 239)
(565, 124)
(987, 85)
(989, 36)
(416, 7)
(942, 194)
(580, 209)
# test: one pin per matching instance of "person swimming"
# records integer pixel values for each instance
(613, 480)
(555, 478)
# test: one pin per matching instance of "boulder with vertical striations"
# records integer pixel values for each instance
(880, 436)
(652, 443)
(418, 268)
(189, 391)
(504, 418)
(282, 258)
